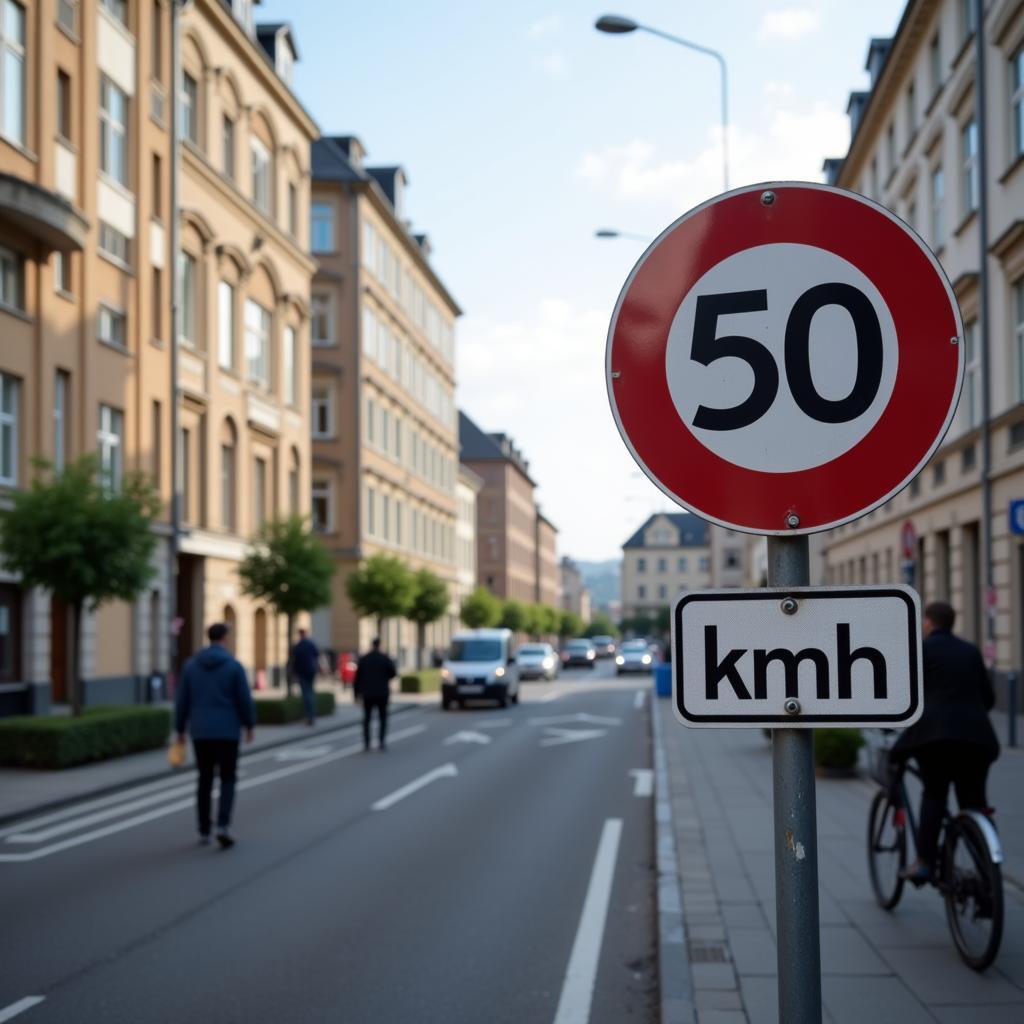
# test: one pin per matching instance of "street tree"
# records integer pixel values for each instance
(569, 625)
(601, 625)
(514, 615)
(639, 625)
(382, 587)
(430, 601)
(480, 609)
(548, 619)
(85, 539)
(289, 569)
(663, 621)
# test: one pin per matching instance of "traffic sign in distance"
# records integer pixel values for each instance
(802, 658)
(784, 358)
(908, 540)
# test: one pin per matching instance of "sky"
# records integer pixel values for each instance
(522, 131)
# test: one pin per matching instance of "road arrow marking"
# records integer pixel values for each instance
(446, 771)
(558, 736)
(643, 781)
(12, 1011)
(301, 753)
(501, 723)
(580, 717)
(468, 736)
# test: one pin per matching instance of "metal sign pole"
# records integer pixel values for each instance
(796, 832)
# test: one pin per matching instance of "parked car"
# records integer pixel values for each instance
(480, 666)
(579, 652)
(634, 656)
(537, 661)
(604, 645)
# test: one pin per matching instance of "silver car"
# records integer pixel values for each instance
(634, 656)
(537, 661)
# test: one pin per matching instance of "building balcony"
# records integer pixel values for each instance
(263, 413)
(46, 216)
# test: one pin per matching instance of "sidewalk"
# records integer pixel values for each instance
(24, 791)
(877, 967)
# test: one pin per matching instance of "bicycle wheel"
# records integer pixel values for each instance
(973, 888)
(887, 849)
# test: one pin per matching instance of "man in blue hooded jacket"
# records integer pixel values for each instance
(213, 699)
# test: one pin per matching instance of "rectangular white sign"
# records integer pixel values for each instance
(798, 657)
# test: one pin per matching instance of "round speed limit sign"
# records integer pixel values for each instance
(784, 358)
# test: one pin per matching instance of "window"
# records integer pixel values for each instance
(110, 442)
(243, 13)
(291, 377)
(939, 474)
(156, 53)
(228, 486)
(662, 591)
(1018, 335)
(188, 108)
(322, 228)
(61, 396)
(321, 506)
(67, 15)
(641, 592)
(156, 441)
(227, 146)
(116, 8)
(63, 104)
(9, 394)
(158, 186)
(874, 180)
(260, 166)
(259, 492)
(226, 325)
(938, 223)
(187, 270)
(156, 303)
(890, 147)
(662, 565)
(641, 565)
(12, 279)
(12, 70)
(966, 19)
(293, 485)
(185, 472)
(112, 327)
(969, 153)
(912, 213)
(911, 102)
(1017, 101)
(293, 209)
(113, 131)
(322, 320)
(705, 563)
(682, 564)
(323, 411)
(935, 63)
(385, 516)
(257, 343)
(114, 244)
(371, 511)
(371, 416)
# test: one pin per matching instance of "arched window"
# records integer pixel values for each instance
(228, 476)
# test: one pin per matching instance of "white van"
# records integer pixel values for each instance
(480, 666)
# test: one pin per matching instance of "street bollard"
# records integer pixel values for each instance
(1011, 707)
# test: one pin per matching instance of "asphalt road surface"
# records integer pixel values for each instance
(492, 865)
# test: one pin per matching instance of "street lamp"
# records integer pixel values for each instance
(614, 233)
(615, 25)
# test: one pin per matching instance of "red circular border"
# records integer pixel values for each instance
(914, 420)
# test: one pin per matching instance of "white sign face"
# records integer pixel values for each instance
(798, 658)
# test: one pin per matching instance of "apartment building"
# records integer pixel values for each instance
(914, 148)
(467, 488)
(85, 363)
(516, 545)
(669, 553)
(385, 441)
(575, 595)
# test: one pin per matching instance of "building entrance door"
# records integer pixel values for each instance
(59, 650)
(10, 633)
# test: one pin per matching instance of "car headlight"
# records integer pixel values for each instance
(646, 659)
(620, 660)
(549, 662)
(590, 654)
(499, 672)
(446, 675)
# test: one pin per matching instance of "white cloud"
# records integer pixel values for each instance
(545, 26)
(555, 64)
(789, 23)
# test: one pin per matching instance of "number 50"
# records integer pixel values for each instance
(707, 347)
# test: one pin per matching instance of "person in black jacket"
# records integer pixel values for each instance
(372, 686)
(305, 665)
(953, 741)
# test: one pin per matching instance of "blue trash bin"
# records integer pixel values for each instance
(663, 679)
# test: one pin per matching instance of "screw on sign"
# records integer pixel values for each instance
(784, 358)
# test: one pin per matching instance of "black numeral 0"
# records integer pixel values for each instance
(706, 348)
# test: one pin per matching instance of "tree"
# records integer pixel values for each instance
(569, 624)
(638, 625)
(514, 615)
(85, 541)
(480, 609)
(548, 619)
(429, 603)
(382, 587)
(601, 625)
(663, 621)
(289, 569)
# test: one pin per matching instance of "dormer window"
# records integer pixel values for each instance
(285, 61)
(242, 9)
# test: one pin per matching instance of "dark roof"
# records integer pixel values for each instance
(330, 160)
(387, 178)
(267, 35)
(693, 532)
(477, 446)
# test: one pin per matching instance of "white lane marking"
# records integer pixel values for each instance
(301, 753)
(12, 1011)
(501, 723)
(161, 812)
(578, 987)
(638, 700)
(446, 771)
(580, 717)
(548, 697)
(468, 736)
(643, 781)
(556, 736)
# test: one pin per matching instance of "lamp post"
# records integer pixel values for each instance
(613, 24)
(615, 233)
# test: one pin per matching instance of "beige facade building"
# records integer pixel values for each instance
(385, 441)
(85, 363)
(915, 149)
(467, 488)
(575, 595)
(669, 553)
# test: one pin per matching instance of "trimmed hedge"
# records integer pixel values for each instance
(837, 748)
(426, 680)
(282, 710)
(98, 734)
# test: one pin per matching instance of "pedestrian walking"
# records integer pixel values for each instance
(953, 741)
(214, 701)
(305, 664)
(373, 687)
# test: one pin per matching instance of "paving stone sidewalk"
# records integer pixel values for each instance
(877, 967)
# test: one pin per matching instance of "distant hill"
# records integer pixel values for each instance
(603, 579)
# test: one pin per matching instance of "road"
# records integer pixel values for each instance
(491, 865)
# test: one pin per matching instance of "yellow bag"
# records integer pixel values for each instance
(177, 754)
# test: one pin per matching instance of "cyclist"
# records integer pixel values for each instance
(953, 741)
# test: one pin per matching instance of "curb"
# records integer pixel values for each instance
(166, 773)
(675, 982)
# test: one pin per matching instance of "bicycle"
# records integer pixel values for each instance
(966, 871)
